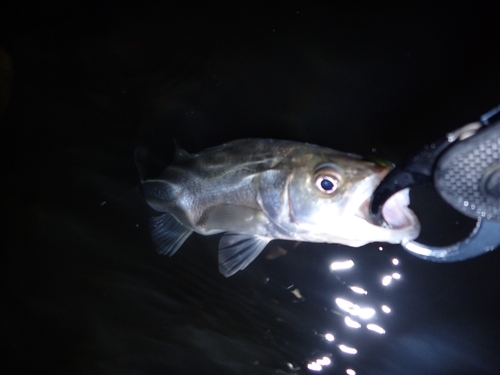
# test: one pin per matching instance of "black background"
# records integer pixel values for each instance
(82, 288)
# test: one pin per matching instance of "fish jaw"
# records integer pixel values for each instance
(396, 212)
(402, 223)
(359, 229)
(358, 226)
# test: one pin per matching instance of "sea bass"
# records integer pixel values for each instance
(258, 190)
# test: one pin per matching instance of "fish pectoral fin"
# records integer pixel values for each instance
(233, 218)
(168, 234)
(237, 251)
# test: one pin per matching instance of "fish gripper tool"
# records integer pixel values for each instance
(464, 167)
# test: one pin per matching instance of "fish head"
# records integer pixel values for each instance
(327, 200)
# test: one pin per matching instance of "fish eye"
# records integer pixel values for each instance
(326, 183)
(327, 178)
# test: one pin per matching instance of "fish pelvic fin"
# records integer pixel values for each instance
(168, 234)
(237, 251)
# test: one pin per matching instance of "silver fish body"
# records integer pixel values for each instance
(257, 190)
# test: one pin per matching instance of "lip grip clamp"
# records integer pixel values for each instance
(465, 169)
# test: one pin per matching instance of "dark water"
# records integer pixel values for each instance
(83, 291)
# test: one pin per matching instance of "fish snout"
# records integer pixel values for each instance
(381, 171)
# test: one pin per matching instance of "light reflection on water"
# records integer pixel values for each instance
(386, 280)
(329, 337)
(357, 289)
(375, 328)
(362, 306)
(348, 349)
(341, 265)
(352, 323)
(319, 364)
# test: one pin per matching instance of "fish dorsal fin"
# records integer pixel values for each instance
(237, 251)
(140, 157)
(168, 234)
(180, 153)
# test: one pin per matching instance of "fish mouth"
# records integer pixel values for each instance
(399, 218)
(396, 212)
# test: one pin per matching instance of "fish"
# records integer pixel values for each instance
(258, 190)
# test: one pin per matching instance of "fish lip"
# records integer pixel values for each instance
(405, 216)
(395, 211)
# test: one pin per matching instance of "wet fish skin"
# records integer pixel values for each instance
(257, 190)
